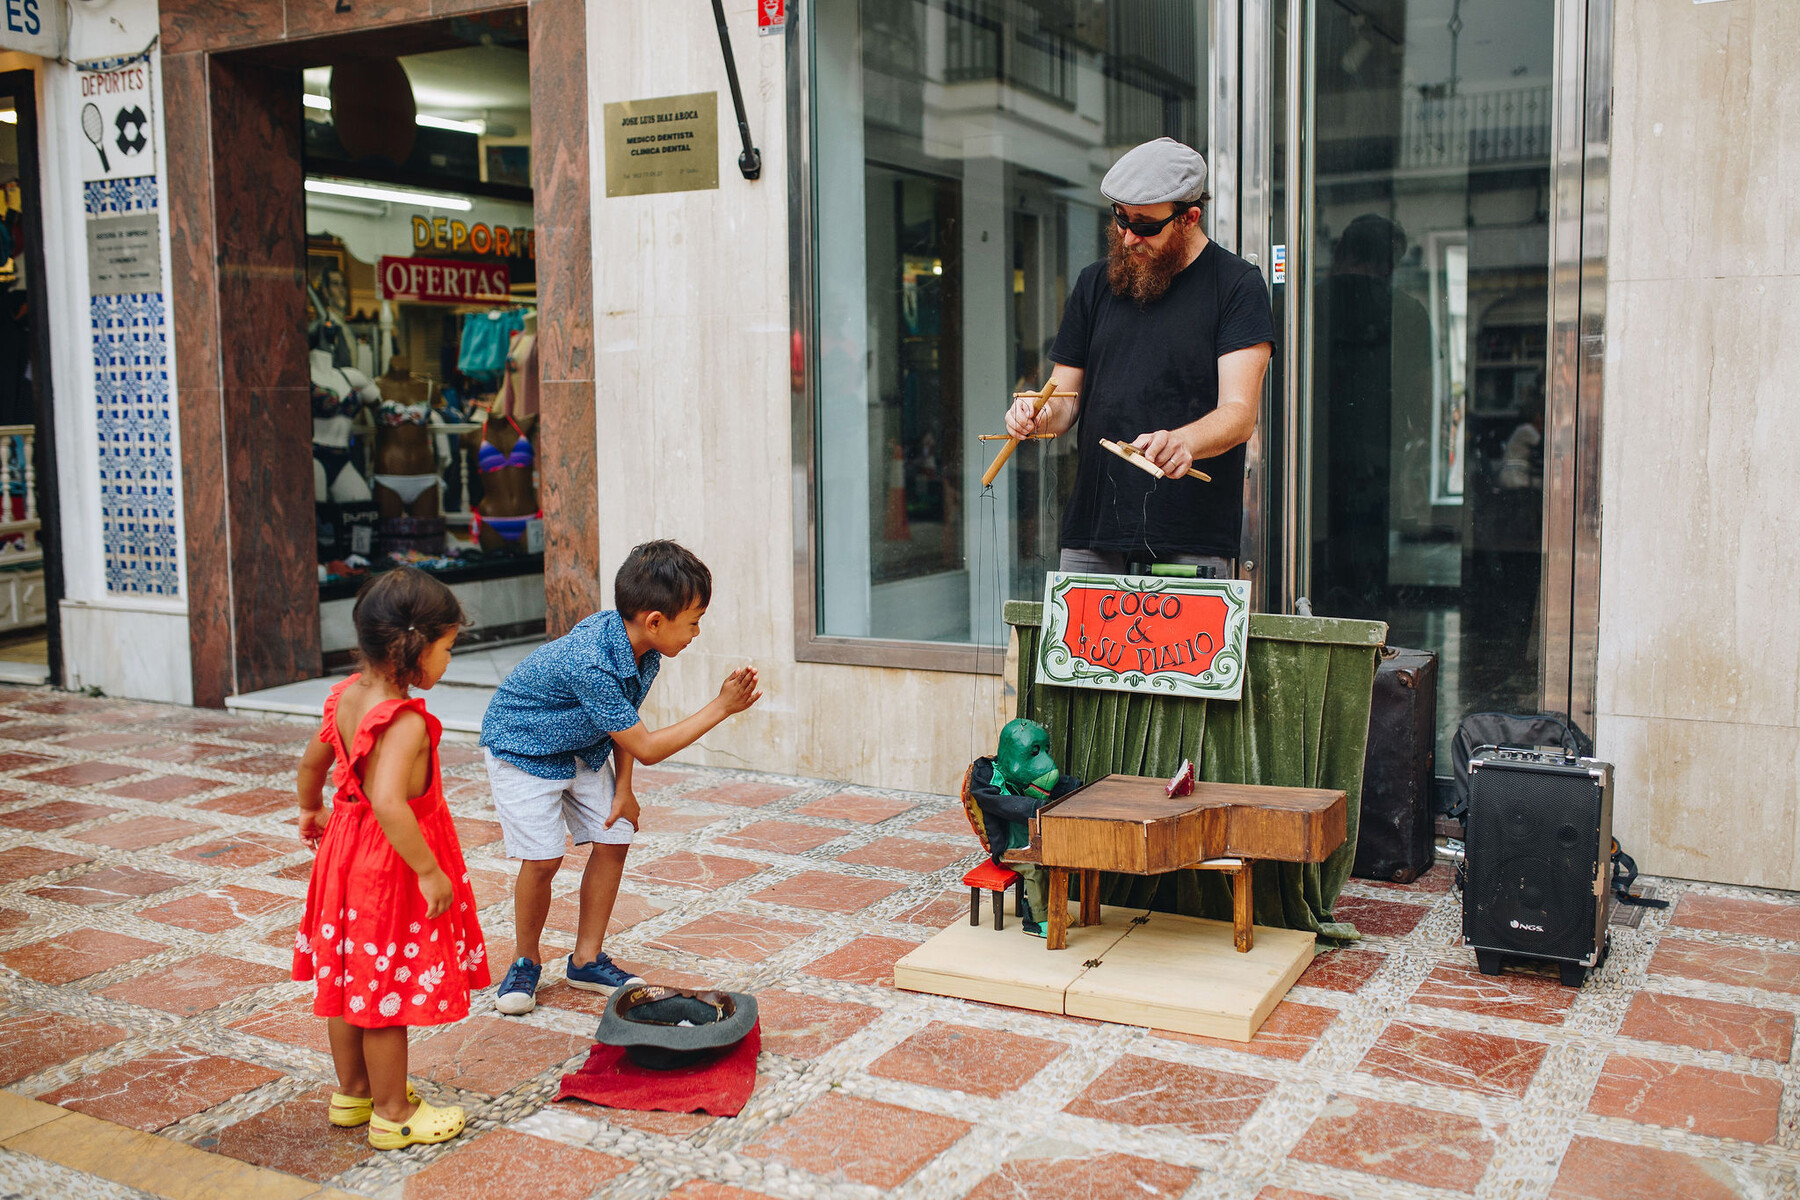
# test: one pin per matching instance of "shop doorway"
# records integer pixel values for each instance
(30, 566)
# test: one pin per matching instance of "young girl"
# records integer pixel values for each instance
(389, 936)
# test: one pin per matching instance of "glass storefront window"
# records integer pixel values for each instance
(957, 150)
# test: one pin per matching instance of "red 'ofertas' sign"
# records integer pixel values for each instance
(1128, 630)
(444, 280)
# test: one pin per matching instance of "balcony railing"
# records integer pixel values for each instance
(1476, 129)
(1004, 42)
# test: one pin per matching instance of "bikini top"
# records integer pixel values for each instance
(489, 458)
(393, 413)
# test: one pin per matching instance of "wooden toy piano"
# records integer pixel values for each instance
(1130, 824)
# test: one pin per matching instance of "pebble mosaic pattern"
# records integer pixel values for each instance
(150, 880)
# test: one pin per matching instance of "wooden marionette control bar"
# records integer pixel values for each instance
(1130, 825)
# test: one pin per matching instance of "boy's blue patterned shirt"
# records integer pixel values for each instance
(568, 698)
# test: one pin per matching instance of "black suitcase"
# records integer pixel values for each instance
(1395, 839)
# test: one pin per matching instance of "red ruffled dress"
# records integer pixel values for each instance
(365, 940)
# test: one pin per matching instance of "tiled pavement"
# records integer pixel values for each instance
(150, 880)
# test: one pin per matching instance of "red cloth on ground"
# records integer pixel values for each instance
(721, 1086)
(365, 940)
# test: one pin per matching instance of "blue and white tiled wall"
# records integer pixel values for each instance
(139, 471)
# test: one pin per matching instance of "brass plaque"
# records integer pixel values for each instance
(667, 144)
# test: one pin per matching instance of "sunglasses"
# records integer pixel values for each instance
(1148, 229)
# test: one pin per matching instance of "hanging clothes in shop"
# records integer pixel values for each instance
(486, 338)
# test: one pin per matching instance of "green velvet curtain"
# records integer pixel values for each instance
(1303, 721)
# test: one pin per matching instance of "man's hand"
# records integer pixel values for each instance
(1168, 450)
(738, 692)
(1023, 420)
(624, 807)
(434, 885)
(312, 825)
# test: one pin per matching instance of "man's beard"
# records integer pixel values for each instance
(1142, 275)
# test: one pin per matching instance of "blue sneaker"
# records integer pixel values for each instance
(601, 975)
(518, 991)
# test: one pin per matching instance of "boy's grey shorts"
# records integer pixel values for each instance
(534, 813)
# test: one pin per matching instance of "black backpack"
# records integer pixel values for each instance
(1508, 729)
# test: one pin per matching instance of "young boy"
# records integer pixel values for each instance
(549, 732)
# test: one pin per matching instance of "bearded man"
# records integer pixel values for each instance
(1163, 344)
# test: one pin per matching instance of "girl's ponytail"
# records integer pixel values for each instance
(398, 615)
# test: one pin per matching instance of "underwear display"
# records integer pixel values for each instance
(489, 458)
(391, 414)
(332, 458)
(407, 487)
(410, 535)
(510, 529)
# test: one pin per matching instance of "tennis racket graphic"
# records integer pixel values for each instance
(93, 127)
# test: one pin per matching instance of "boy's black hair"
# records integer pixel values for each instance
(663, 577)
(398, 614)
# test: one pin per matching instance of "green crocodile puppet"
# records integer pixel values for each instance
(1018, 780)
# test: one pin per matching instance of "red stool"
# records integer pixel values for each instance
(989, 877)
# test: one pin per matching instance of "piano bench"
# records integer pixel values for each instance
(987, 877)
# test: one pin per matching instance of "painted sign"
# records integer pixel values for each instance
(462, 237)
(1145, 633)
(118, 138)
(34, 26)
(443, 280)
(667, 144)
(771, 16)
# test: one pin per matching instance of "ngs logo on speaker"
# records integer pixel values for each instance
(1522, 925)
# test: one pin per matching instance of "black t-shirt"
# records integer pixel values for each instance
(1158, 368)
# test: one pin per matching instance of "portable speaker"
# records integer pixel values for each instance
(1539, 841)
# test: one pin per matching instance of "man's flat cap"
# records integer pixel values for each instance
(1156, 173)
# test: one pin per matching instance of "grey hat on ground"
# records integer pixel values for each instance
(1156, 173)
(663, 1028)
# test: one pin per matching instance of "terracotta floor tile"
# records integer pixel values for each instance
(492, 1054)
(39, 731)
(185, 752)
(1289, 1033)
(274, 733)
(736, 936)
(674, 1125)
(1172, 1097)
(54, 815)
(457, 754)
(1277, 1193)
(140, 832)
(1436, 1149)
(950, 820)
(258, 764)
(18, 760)
(802, 1026)
(629, 908)
(703, 1189)
(1095, 1174)
(81, 774)
(685, 868)
(1380, 918)
(650, 779)
(982, 1062)
(294, 1136)
(827, 892)
(490, 887)
(77, 954)
(943, 911)
(742, 794)
(1478, 1062)
(661, 818)
(22, 862)
(195, 985)
(109, 885)
(1522, 997)
(1594, 1169)
(65, 704)
(101, 743)
(909, 854)
(160, 1088)
(1770, 970)
(1728, 914)
(240, 850)
(300, 872)
(1700, 1100)
(473, 832)
(164, 788)
(1710, 1025)
(593, 1004)
(848, 806)
(219, 909)
(780, 837)
(254, 803)
(291, 1023)
(867, 960)
(38, 1041)
(12, 918)
(846, 1139)
(531, 1166)
(1342, 970)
